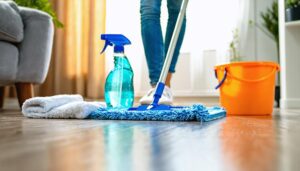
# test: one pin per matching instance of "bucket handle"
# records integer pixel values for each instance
(223, 79)
(226, 73)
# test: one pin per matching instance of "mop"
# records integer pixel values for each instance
(160, 112)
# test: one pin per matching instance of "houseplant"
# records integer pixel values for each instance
(271, 28)
(292, 10)
(233, 47)
(270, 24)
(43, 5)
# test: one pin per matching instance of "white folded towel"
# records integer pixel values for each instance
(60, 106)
(79, 110)
(45, 104)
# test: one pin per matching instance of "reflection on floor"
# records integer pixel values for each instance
(234, 143)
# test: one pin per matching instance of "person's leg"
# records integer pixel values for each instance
(152, 37)
(168, 79)
(173, 10)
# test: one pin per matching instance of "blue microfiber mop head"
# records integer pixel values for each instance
(196, 112)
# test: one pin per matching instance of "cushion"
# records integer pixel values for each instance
(11, 25)
(8, 62)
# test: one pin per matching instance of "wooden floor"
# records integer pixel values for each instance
(235, 143)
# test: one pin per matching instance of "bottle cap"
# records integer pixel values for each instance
(116, 40)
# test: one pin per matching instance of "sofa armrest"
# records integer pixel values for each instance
(36, 47)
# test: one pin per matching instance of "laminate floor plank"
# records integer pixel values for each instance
(257, 143)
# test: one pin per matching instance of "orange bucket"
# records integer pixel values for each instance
(247, 88)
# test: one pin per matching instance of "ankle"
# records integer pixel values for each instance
(168, 84)
(168, 79)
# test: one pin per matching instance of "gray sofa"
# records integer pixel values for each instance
(26, 37)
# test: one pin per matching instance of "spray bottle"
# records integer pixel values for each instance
(119, 92)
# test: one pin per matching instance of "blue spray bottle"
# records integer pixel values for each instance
(119, 92)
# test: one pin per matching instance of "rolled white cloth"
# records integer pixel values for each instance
(76, 109)
(45, 104)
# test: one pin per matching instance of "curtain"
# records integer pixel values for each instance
(76, 64)
(243, 25)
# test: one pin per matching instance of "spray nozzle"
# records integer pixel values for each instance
(116, 40)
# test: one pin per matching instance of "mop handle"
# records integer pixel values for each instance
(173, 42)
